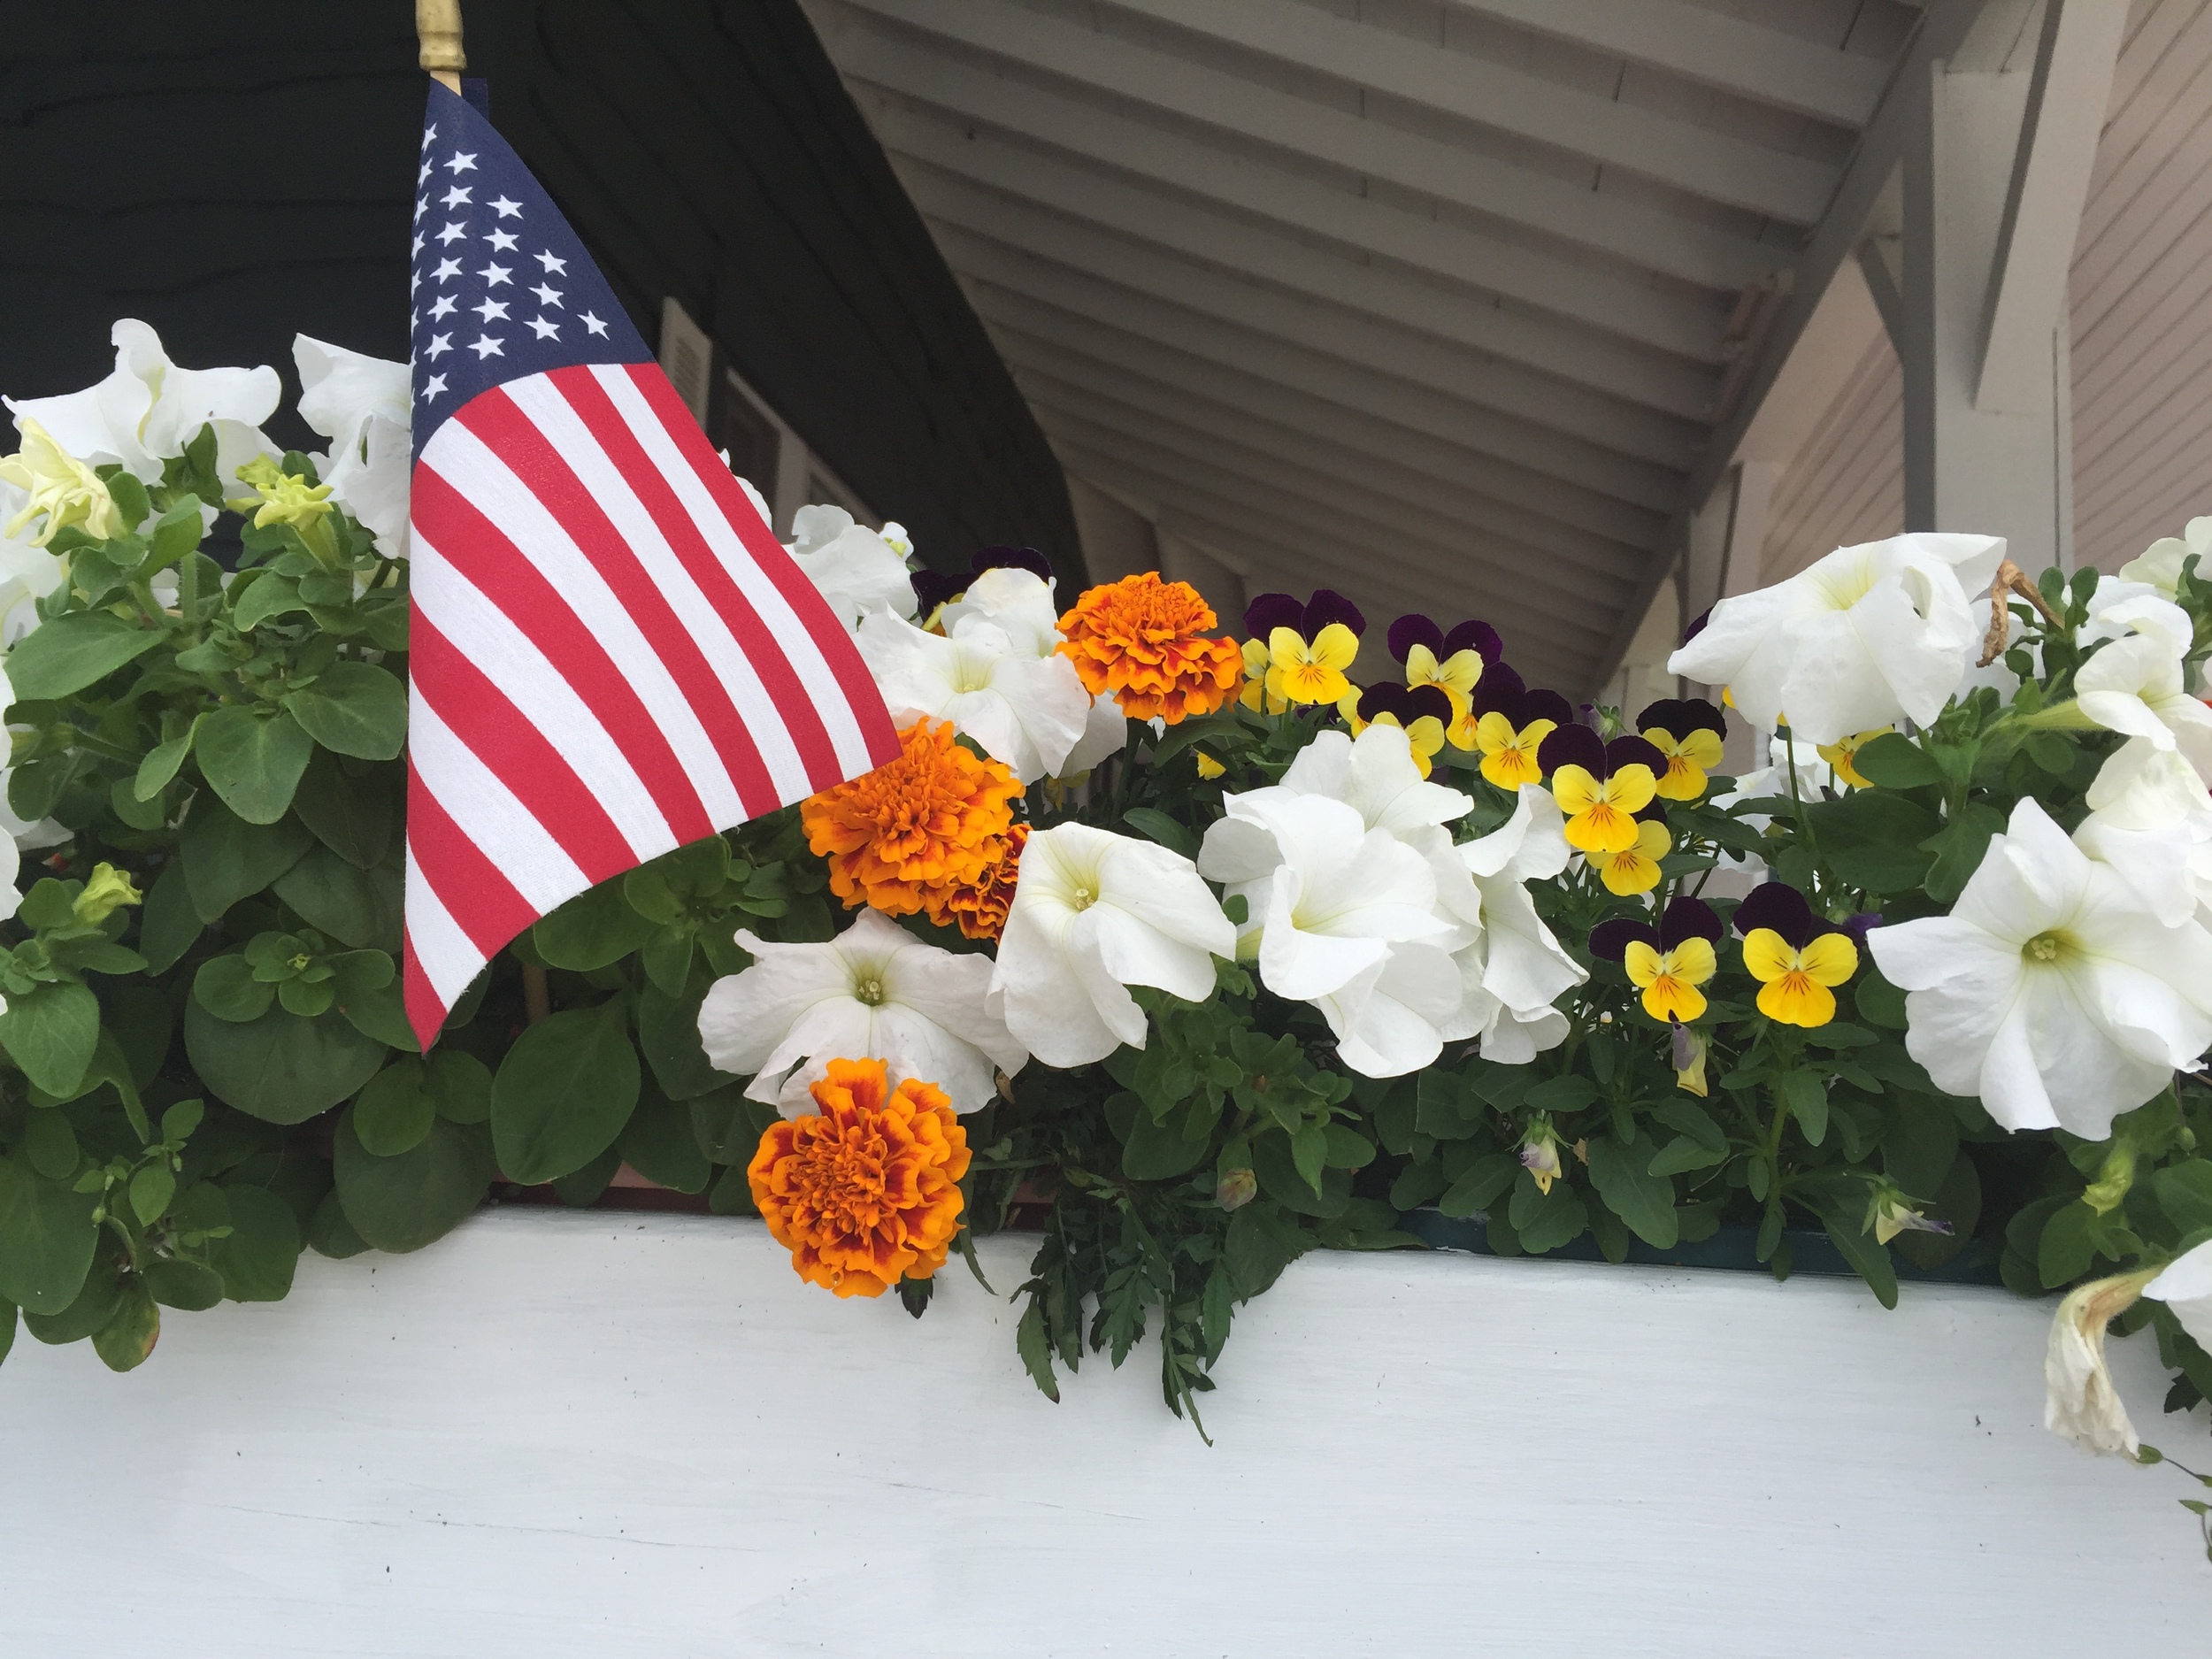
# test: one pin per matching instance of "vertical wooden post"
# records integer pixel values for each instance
(438, 27)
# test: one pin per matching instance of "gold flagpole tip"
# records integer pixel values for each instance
(437, 27)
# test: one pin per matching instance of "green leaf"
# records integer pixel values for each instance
(355, 906)
(1442, 1109)
(47, 1235)
(354, 708)
(1879, 1002)
(268, 594)
(1958, 849)
(329, 1232)
(280, 1068)
(666, 959)
(1848, 1232)
(581, 1189)
(1872, 839)
(1807, 1098)
(460, 1086)
(564, 1093)
(1623, 1177)
(259, 1257)
(377, 1012)
(161, 762)
(1281, 1180)
(131, 1331)
(1035, 1350)
(1160, 1151)
(2185, 1193)
(151, 1189)
(177, 533)
(2065, 1250)
(402, 1204)
(226, 859)
(225, 986)
(1309, 1152)
(1895, 761)
(191, 1287)
(1260, 1244)
(1157, 825)
(657, 1144)
(1544, 1221)
(51, 1031)
(1570, 1093)
(1479, 1185)
(253, 760)
(393, 1111)
(350, 814)
(130, 498)
(1685, 1153)
(168, 927)
(70, 652)
(593, 930)
(1348, 1149)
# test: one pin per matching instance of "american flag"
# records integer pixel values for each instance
(610, 655)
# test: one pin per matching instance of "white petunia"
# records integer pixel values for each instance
(1024, 709)
(364, 405)
(2159, 564)
(1093, 914)
(2051, 991)
(149, 409)
(2079, 1402)
(2184, 1285)
(874, 992)
(1862, 637)
(1105, 733)
(1514, 973)
(1018, 601)
(2150, 820)
(2134, 685)
(27, 572)
(859, 572)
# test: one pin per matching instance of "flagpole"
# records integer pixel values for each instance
(438, 28)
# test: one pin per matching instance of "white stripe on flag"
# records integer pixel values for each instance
(448, 956)
(472, 468)
(488, 813)
(832, 701)
(470, 621)
(610, 489)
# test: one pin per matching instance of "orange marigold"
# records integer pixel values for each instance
(980, 907)
(1144, 643)
(902, 837)
(868, 1192)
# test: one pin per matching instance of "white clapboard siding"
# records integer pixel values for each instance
(602, 1434)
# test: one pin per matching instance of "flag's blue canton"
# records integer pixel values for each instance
(501, 287)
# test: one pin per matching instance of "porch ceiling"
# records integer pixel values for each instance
(1438, 302)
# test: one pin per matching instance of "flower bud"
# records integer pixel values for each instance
(1236, 1189)
(109, 890)
(1540, 1156)
(1689, 1060)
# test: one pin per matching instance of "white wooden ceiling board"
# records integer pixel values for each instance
(1711, 49)
(1359, 469)
(1641, 237)
(1327, 375)
(1030, 332)
(1611, 303)
(1554, 351)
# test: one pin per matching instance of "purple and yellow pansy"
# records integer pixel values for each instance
(1310, 646)
(1688, 732)
(1510, 724)
(1601, 786)
(1667, 963)
(1453, 663)
(1797, 957)
(1423, 713)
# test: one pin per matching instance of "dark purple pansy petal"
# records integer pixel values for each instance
(932, 588)
(1777, 906)
(1633, 751)
(1500, 691)
(1700, 716)
(1271, 612)
(1547, 705)
(1415, 629)
(1572, 746)
(1861, 925)
(1429, 700)
(1015, 558)
(1328, 606)
(1384, 697)
(1697, 627)
(1655, 813)
(1665, 716)
(1611, 941)
(1689, 919)
(1478, 637)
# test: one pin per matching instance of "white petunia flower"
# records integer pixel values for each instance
(874, 992)
(2134, 685)
(2150, 820)
(1518, 969)
(1024, 709)
(859, 572)
(2159, 564)
(1093, 914)
(2051, 991)
(1018, 601)
(1862, 637)
(1105, 733)
(149, 409)
(364, 406)
(2079, 1402)
(2184, 1284)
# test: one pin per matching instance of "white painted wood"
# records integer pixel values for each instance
(2071, 84)
(1195, 92)
(1711, 48)
(559, 1434)
(1117, 541)
(1707, 164)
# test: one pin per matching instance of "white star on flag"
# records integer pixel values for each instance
(508, 210)
(485, 346)
(546, 295)
(553, 266)
(463, 163)
(592, 325)
(545, 330)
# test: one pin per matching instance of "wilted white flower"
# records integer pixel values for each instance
(1093, 914)
(2051, 991)
(2159, 564)
(149, 409)
(1862, 637)
(364, 405)
(858, 570)
(874, 992)
(2079, 1402)
(56, 490)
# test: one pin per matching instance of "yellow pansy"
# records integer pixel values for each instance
(1669, 979)
(60, 485)
(1256, 695)
(1601, 812)
(1688, 733)
(1793, 981)
(1636, 868)
(1839, 756)
(1454, 676)
(1300, 671)
(1509, 753)
(1209, 768)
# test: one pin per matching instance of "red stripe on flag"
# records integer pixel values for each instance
(425, 1014)
(514, 436)
(793, 705)
(477, 547)
(830, 642)
(482, 715)
(483, 903)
